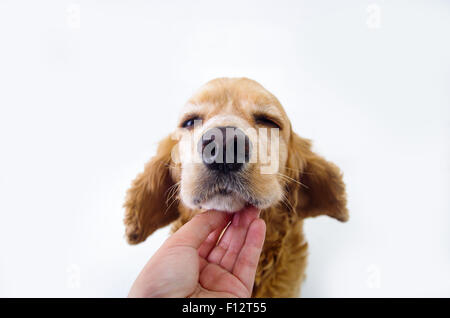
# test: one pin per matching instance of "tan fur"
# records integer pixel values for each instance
(310, 185)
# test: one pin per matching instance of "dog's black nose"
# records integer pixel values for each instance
(225, 149)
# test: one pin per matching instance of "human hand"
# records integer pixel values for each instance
(191, 263)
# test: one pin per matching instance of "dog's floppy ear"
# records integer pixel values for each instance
(320, 188)
(146, 204)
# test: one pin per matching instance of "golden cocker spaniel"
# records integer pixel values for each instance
(235, 147)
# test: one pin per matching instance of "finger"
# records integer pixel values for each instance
(195, 232)
(218, 250)
(233, 236)
(238, 232)
(247, 261)
(210, 242)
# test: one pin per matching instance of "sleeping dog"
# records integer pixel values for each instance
(234, 146)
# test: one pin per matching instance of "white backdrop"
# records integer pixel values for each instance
(87, 89)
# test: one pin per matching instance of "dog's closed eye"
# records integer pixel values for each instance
(265, 120)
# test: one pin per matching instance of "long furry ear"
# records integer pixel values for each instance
(319, 188)
(146, 204)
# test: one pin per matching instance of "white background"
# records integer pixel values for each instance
(88, 88)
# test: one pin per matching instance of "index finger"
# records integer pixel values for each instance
(195, 232)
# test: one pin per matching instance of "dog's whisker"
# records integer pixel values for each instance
(172, 195)
(171, 189)
(292, 179)
(286, 202)
(173, 201)
(302, 171)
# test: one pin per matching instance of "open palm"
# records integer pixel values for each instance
(195, 263)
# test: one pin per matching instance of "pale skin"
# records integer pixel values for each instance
(193, 262)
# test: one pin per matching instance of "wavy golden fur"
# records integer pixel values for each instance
(309, 186)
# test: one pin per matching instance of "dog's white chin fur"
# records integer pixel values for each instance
(226, 203)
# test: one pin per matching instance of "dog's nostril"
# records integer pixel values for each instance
(225, 149)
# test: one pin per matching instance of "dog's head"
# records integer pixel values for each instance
(234, 146)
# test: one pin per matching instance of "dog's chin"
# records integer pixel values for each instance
(227, 203)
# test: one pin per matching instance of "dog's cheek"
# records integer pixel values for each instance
(267, 188)
(189, 179)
